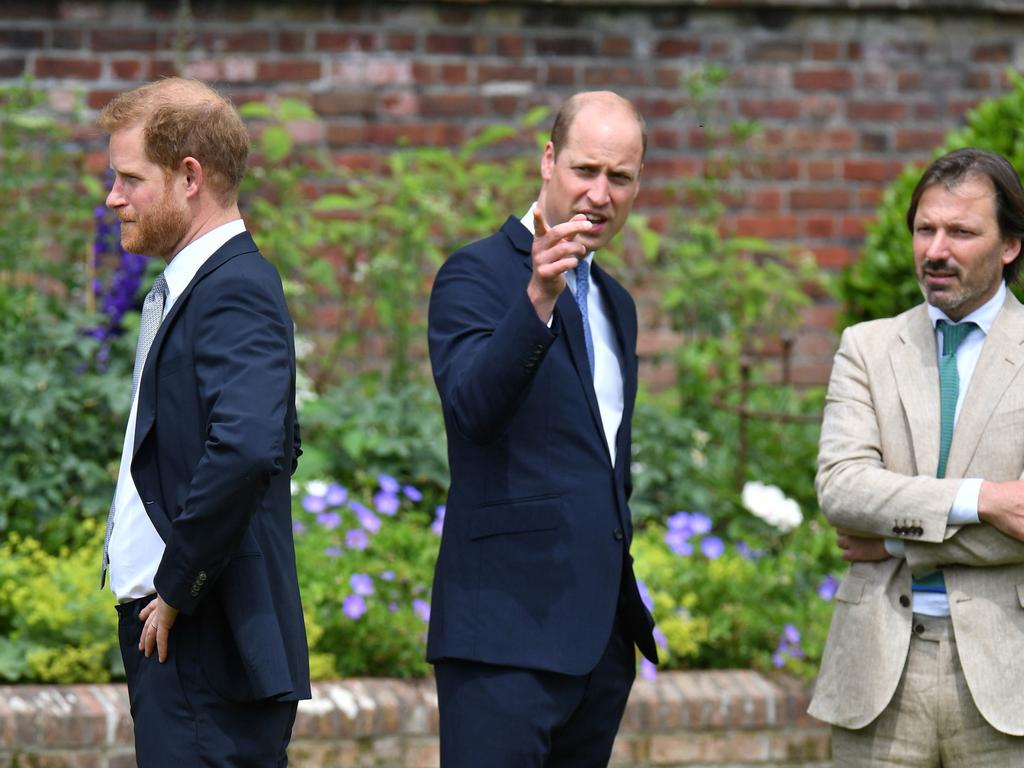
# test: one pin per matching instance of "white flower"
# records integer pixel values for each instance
(316, 488)
(770, 504)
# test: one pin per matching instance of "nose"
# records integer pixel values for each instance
(936, 245)
(115, 199)
(597, 192)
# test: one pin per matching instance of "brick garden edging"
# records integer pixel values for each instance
(693, 719)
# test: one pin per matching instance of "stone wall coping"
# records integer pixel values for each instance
(1009, 7)
(72, 717)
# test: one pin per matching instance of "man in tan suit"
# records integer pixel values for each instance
(920, 467)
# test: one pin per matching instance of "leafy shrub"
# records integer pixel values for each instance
(882, 282)
(55, 625)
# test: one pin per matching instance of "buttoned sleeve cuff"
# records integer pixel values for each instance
(965, 506)
(895, 547)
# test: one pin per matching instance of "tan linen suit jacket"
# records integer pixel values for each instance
(876, 474)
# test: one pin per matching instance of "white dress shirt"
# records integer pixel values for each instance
(607, 365)
(135, 546)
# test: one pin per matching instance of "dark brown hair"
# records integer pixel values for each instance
(952, 169)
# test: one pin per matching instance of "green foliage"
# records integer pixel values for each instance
(62, 418)
(55, 625)
(374, 237)
(731, 611)
(882, 282)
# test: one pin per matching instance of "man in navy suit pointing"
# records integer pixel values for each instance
(199, 539)
(536, 609)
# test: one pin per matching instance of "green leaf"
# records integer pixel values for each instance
(276, 143)
(256, 110)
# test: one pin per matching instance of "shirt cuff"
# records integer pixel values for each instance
(965, 506)
(895, 547)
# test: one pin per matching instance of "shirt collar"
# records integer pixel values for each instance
(527, 221)
(983, 316)
(187, 262)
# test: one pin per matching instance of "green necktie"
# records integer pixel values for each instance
(949, 385)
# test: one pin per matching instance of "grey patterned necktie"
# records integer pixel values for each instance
(149, 324)
(582, 289)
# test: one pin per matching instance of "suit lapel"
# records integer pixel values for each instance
(241, 243)
(1000, 361)
(915, 367)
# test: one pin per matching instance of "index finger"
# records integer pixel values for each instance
(161, 643)
(540, 226)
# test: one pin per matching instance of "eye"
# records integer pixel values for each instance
(585, 170)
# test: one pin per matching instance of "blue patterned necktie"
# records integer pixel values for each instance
(949, 385)
(582, 288)
(149, 324)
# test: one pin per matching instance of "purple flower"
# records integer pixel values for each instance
(365, 516)
(744, 549)
(386, 502)
(679, 521)
(827, 588)
(788, 647)
(361, 583)
(659, 638)
(357, 539)
(677, 540)
(298, 528)
(354, 606)
(388, 484)
(393, 607)
(791, 634)
(314, 504)
(336, 494)
(438, 525)
(422, 609)
(329, 520)
(712, 547)
(647, 670)
(387, 575)
(333, 551)
(412, 493)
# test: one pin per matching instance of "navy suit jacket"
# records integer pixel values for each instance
(534, 559)
(216, 441)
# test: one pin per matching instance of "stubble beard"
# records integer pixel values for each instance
(157, 232)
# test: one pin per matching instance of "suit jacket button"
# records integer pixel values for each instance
(896, 530)
(904, 601)
(919, 531)
(618, 535)
(202, 577)
(919, 629)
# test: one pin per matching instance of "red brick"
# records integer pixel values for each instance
(762, 199)
(876, 110)
(876, 80)
(125, 39)
(999, 53)
(922, 138)
(767, 226)
(289, 70)
(776, 50)
(346, 134)
(871, 170)
(417, 134)
(450, 104)
(564, 46)
(854, 227)
(401, 41)
(834, 139)
(59, 67)
(617, 46)
(344, 41)
(823, 80)
(12, 67)
(875, 142)
(677, 47)
(466, 45)
(337, 102)
(504, 72)
(957, 108)
(162, 68)
(820, 170)
(665, 77)
(235, 42)
(909, 80)
(832, 256)
(977, 80)
(869, 197)
(819, 226)
(774, 167)
(127, 69)
(817, 198)
(770, 108)
(560, 74)
(511, 46)
(613, 76)
(826, 51)
(663, 137)
(99, 99)
(506, 106)
(454, 74)
(291, 42)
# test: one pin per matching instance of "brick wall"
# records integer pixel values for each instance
(847, 92)
(694, 719)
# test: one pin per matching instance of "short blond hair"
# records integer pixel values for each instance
(186, 118)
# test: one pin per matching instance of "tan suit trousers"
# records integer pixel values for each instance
(932, 721)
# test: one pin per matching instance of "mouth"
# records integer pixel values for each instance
(596, 219)
(939, 278)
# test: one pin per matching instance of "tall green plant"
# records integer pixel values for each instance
(362, 250)
(882, 283)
